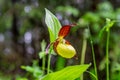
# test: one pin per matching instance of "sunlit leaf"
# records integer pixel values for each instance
(53, 25)
(68, 73)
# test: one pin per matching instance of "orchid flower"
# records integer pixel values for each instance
(63, 47)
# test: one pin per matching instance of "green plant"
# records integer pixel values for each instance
(68, 73)
(55, 31)
(84, 47)
(53, 28)
(42, 55)
(96, 20)
(106, 28)
(94, 60)
(35, 70)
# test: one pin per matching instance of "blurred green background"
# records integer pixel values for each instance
(22, 29)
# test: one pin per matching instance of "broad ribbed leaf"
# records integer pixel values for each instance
(53, 25)
(68, 73)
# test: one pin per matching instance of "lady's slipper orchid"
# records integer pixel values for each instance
(62, 46)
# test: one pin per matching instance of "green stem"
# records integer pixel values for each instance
(60, 63)
(94, 61)
(107, 56)
(49, 58)
(83, 53)
(43, 64)
(48, 67)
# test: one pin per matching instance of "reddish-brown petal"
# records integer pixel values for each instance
(67, 42)
(55, 44)
(64, 31)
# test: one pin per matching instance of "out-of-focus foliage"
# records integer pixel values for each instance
(68, 10)
(105, 10)
(5, 77)
(33, 70)
(42, 52)
(96, 21)
(22, 29)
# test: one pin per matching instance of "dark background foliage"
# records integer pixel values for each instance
(22, 28)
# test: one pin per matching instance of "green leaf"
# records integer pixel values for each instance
(43, 45)
(108, 25)
(28, 68)
(42, 54)
(68, 73)
(92, 74)
(53, 25)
